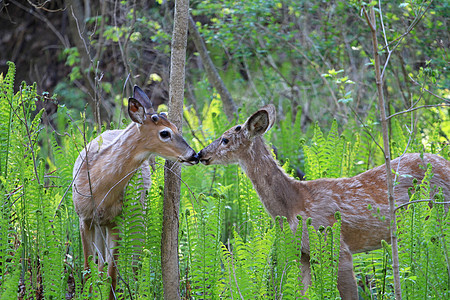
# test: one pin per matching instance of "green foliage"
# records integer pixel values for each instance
(96, 285)
(424, 244)
(324, 246)
(6, 111)
(329, 157)
(132, 235)
(285, 265)
(229, 246)
(202, 228)
(246, 268)
(149, 271)
(289, 140)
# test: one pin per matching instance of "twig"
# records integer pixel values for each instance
(418, 201)
(416, 108)
(367, 130)
(429, 92)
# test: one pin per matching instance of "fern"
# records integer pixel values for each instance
(132, 235)
(423, 245)
(324, 157)
(11, 279)
(285, 266)
(6, 106)
(398, 138)
(288, 136)
(251, 208)
(96, 286)
(246, 268)
(150, 274)
(324, 253)
(6, 235)
(203, 232)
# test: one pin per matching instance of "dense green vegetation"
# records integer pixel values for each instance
(313, 60)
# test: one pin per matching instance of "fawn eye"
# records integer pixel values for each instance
(164, 134)
(225, 141)
(237, 128)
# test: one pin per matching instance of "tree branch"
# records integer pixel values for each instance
(213, 76)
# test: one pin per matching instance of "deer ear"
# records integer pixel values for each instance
(143, 99)
(261, 121)
(136, 111)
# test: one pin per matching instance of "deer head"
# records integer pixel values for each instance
(237, 141)
(156, 133)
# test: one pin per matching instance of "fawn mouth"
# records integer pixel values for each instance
(205, 161)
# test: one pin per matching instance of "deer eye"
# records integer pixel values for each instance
(164, 134)
(225, 141)
(237, 128)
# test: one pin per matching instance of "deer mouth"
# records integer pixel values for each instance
(205, 161)
(193, 160)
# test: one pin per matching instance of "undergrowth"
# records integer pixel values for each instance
(229, 247)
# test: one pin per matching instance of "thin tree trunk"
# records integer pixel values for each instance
(213, 76)
(172, 173)
(371, 21)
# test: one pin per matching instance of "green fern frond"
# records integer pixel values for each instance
(324, 246)
(423, 243)
(6, 101)
(204, 234)
(11, 278)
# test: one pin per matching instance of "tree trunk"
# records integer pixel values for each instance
(172, 173)
(387, 155)
(213, 76)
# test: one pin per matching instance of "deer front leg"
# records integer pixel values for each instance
(111, 256)
(347, 286)
(87, 233)
(99, 245)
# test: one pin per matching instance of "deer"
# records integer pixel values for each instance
(105, 166)
(320, 199)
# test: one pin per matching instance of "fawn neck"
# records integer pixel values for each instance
(277, 191)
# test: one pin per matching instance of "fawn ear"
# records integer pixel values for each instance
(261, 121)
(136, 111)
(143, 99)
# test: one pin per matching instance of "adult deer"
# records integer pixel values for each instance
(104, 168)
(321, 198)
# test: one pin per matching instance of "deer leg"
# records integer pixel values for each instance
(347, 286)
(100, 241)
(87, 238)
(111, 257)
(306, 271)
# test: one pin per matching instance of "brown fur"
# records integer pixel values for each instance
(104, 168)
(320, 199)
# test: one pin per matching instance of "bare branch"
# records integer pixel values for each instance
(416, 108)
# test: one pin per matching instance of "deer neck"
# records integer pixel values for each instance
(276, 190)
(123, 157)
